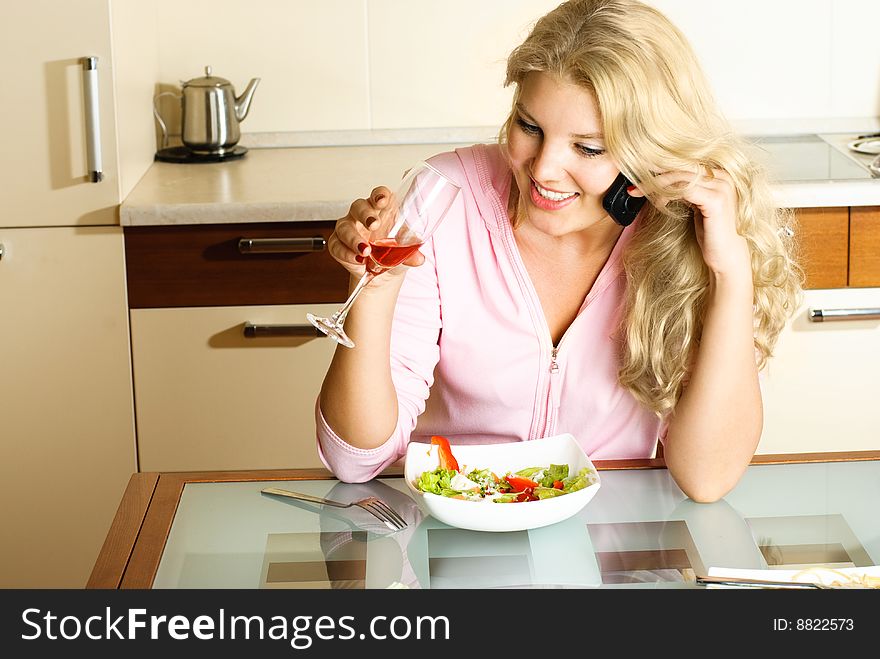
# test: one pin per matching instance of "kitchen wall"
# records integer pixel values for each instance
(135, 39)
(390, 64)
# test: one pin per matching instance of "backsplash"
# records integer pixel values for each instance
(386, 64)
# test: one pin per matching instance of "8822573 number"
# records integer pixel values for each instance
(824, 624)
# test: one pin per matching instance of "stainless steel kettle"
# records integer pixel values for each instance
(211, 113)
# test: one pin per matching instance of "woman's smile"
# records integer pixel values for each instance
(550, 200)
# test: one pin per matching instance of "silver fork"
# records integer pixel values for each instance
(372, 505)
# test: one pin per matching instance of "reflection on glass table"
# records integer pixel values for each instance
(638, 532)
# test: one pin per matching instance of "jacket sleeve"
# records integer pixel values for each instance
(415, 351)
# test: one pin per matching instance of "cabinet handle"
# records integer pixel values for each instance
(821, 315)
(1, 251)
(281, 245)
(253, 331)
(93, 119)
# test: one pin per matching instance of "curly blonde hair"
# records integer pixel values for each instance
(658, 114)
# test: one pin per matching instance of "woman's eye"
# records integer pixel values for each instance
(527, 128)
(588, 151)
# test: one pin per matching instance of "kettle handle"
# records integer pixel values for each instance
(159, 118)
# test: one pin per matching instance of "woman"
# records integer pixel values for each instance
(532, 312)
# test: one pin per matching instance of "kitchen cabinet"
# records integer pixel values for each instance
(66, 418)
(820, 387)
(67, 439)
(210, 397)
(212, 391)
(839, 246)
(44, 153)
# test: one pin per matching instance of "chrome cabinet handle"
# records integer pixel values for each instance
(1, 251)
(821, 315)
(93, 119)
(281, 245)
(253, 331)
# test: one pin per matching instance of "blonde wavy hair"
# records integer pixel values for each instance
(658, 114)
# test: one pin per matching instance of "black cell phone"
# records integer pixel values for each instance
(619, 204)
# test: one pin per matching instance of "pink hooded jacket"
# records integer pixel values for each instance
(471, 354)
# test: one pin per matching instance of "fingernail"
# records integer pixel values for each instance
(371, 221)
(630, 188)
(362, 247)
(359, 258)
(379, 197)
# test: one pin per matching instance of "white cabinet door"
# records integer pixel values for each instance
(43, 160)
(208, 398)
(67, 445)
(821, 391)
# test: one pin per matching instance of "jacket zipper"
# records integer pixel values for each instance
(554, 390)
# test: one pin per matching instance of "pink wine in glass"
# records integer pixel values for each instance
(385, 253)
(409, 218)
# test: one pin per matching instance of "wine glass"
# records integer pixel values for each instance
(409, 218)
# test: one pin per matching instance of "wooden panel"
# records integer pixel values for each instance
(200, 265)
(823, 241)
(864, 257)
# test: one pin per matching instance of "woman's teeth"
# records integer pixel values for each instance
(553, 196)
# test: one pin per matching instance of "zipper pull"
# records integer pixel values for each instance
(554, 367)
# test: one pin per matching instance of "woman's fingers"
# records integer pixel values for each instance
(350, 242)
(697, 188)
(379, 196)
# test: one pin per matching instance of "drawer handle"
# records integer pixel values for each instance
(821, 315)
(93, 119)
(252, 331)
(281, 245)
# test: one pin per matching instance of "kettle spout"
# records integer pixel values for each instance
(243, 102)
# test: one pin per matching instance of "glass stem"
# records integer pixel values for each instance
(339, 317)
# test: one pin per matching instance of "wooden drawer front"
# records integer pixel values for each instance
(201, 265)
(864, 258)
(209, 398)
(823, 242)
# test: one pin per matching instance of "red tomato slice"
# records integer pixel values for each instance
(519, 483)
(447, 460)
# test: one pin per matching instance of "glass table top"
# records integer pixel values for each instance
(639, 531)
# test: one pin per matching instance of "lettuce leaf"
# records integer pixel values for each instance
(437, 482)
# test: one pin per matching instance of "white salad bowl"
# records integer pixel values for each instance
(501, 459)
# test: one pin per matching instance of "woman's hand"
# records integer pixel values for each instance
(349, 244)
(714, 200)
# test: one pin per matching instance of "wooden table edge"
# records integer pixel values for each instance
(122, 537)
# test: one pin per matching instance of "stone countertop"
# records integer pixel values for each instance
(269, 185)
(320, 182)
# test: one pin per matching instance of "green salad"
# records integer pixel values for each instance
(530, 484)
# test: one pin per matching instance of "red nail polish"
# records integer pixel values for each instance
(359, 258)
(362, 247)
(630, 188)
